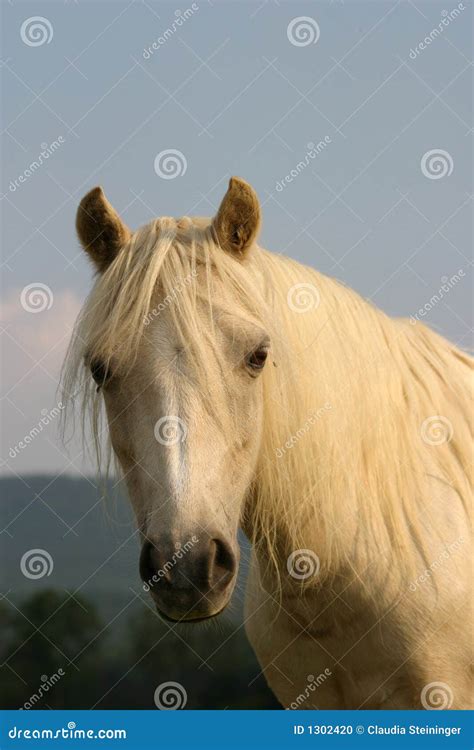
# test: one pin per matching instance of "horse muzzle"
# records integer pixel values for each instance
(191, 581)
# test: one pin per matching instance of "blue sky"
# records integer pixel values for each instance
(232, 92)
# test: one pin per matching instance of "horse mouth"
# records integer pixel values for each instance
(188, 620)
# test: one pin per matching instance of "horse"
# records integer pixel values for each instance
(245, 390)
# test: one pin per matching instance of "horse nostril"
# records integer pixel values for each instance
(148, 562)
(209, 566)
(145, 563)
(222, 562)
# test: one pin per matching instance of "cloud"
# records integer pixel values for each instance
(33, 349)
(37, 336)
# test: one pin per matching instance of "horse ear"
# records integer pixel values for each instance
(100, 229)
(238, 219)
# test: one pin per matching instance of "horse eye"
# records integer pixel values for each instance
(256, 360)
(100, 372)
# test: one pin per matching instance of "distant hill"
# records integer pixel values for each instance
(108, 630)
(92, 541)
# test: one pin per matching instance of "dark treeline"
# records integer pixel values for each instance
(75, 660)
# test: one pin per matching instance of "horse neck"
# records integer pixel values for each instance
(341, 457)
